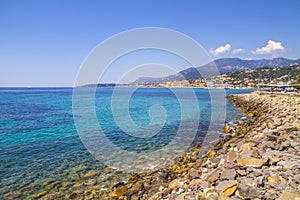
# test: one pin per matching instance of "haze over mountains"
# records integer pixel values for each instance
(224, 65)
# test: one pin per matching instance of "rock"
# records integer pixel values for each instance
(246, 147)
(166, 191)
(289, 196)
(228, 174)
(297, 178)
(251, 114)
(248, 181)
(231, 156)
(38, 194)
(78, 184)
(195, 183)
(211, 154)
(291, 128)
(259, 180)
(226, 129)
(91, 182)
(213, 196)
(91, 174)
(224, 197)
(67, 184)
(257, 172)
(73, 195)
(227, 187)
(212, 176)
(249, 192)
(118, 192)
(205, 184)
(134, 189)
(273, 179)
(288, 165)
(250, 153)
(241, 172)
(273, 160)
(194, 173)
(134, 177)
(251, 162)
(175, 184)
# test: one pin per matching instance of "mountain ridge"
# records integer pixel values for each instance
(224, 65)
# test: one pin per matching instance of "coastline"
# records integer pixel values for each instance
(258, 158)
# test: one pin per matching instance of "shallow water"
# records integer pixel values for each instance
(39, 143)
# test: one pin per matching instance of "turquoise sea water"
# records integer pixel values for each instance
(39, 142)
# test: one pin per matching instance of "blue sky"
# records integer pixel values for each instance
(43, 43)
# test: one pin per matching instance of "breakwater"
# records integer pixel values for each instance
(258, 157)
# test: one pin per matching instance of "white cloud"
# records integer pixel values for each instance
(220, 50)
(273, 48)
(236, 51)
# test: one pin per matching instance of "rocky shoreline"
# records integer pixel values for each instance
(257, 158)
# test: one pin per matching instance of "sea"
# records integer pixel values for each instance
(40, 140)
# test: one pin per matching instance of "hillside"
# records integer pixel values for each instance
(224, 65)
(280, 75)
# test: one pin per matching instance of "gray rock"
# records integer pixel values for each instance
(205, 184)
(223, 185)
(288, 165)
(260, 180)
(297, 178)
(194, 173)
(228, 174)
(249, 192)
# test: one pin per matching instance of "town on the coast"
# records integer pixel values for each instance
(281, 79)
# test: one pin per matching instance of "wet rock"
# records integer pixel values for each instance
(91, 182)
(78, 184)
(73, 195)
(91, 174)
(38, 194)
(134, 177)
(118, 192)
(134, 189)
(67, 184)
(226, 129)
